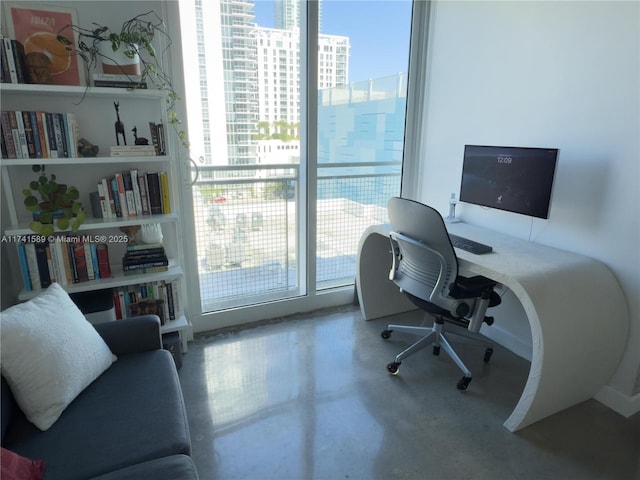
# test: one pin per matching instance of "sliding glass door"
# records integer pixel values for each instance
(296, 116)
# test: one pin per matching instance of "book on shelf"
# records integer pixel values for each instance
(122, 195)
(145, 247)
(144, 197)
(147, 270)
(66, 260)
(3, 147)
(5, 76)
(118, 81)
(130, 193)
(39, 131)
(146, 260)
(158, 138)
(114, 196)
(156, 298)
(164, 190)
(132, 151)
(9, 142)
(13, 64)
(103, 260)
(33, 134)
(80, 261)
(22, 256)
(98, 205)
(154, 192)
(22, 137)
(29, 134)
(137, 198)
(144, 256)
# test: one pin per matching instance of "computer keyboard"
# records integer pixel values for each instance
(469, 245)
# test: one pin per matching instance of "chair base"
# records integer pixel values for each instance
(435, 336)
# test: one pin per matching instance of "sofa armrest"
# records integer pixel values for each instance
(132, 335)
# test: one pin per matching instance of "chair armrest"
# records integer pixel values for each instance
(132, 335)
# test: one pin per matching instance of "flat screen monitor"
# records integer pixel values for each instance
(515, 179)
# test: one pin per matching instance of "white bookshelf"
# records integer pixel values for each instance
(96, 116)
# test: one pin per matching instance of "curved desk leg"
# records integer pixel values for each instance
(378, 296)
(579, 322)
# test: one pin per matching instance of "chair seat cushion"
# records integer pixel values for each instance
(473, 287)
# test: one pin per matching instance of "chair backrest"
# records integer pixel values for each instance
(425, 264)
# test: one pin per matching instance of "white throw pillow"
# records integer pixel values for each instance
(50, 353)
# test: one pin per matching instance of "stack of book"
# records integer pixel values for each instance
(12, 62)
(133, 151)
(131, 194)
(29, 134)
(65, 260)
(145, 258)
(157, 298)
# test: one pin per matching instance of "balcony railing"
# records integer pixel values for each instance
(248, 217)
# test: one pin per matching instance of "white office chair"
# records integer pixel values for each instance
(425, 268)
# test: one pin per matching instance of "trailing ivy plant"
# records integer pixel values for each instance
(135, 37)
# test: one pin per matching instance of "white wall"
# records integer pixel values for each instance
(546, 74)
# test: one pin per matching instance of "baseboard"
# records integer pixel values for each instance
(508, 340)
(620, 403)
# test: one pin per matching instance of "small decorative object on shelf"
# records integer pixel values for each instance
(57, 202)
(87, 149)
(119, 125)
(151, 233)
(138, 140)
(131, 231)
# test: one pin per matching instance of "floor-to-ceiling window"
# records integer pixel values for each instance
(296, 115)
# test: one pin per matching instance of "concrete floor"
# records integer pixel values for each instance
(310, 398)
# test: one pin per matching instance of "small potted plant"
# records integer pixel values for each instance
(58, 203)
(129, 51)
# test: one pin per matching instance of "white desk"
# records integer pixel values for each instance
(576, 309)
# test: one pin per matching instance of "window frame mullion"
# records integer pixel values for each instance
(309, 31)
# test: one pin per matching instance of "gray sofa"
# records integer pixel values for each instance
(130, 423)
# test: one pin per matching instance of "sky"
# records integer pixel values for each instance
(377, 29)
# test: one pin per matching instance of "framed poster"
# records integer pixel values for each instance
(37, 29)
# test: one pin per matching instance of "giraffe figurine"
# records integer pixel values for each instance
(119, 125)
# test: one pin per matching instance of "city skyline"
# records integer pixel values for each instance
(372, 55)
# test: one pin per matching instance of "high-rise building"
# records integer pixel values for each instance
(278, 73)
(287, 14)
(240, 78)
(258, 74)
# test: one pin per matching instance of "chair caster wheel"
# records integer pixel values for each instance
(386, 334)
(393, 368)
(464, 383)
(487, 354)
(436, 350)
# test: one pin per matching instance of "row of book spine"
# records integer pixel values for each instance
(29, 134)
(160, 298)
(131, 193)
(65, 261)
(13, 69)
